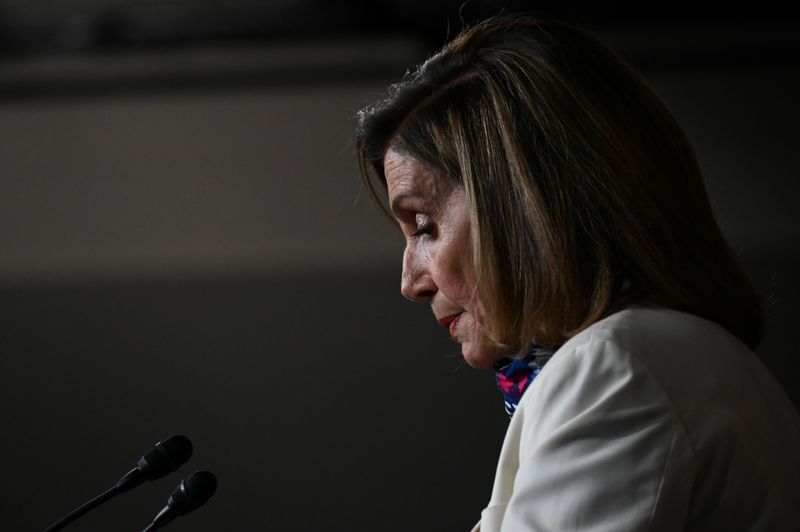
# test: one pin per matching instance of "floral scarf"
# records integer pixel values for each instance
(514, 375)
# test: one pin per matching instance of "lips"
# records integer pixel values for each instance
(451, 322)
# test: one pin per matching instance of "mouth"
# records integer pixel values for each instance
(450, 322)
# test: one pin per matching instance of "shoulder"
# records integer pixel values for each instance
(598, 425)
(650, 397)
(643, 358)
(672, 349)
(643, 330)
(613, 368)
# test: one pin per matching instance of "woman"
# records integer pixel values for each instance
(555, 214)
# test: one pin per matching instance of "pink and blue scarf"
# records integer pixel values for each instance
(515, 375)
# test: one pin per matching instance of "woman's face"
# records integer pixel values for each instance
(437, 263)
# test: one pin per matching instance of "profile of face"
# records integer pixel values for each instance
(433, 214)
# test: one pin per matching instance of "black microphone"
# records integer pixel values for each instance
(192, 493)
(164, 458)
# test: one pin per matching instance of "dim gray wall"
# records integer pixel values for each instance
(204, 262)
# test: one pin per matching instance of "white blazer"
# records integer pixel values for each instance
(650, 419)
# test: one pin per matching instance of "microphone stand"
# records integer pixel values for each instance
(78, 512)
(133, 478)
(162, 459)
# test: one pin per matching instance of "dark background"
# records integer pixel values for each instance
(185, 248)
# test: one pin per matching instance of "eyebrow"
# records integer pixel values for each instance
(399, 198)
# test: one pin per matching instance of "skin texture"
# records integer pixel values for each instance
(433, 214)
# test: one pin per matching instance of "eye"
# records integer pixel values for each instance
(424, 230)
(424, 225)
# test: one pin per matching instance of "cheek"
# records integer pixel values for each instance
(454, 268)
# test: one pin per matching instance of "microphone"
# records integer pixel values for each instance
(164, 458)
(161, 460)
(192, 493)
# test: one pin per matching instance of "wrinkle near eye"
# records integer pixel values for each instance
(406, 204)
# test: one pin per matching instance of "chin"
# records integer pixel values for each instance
(480, 357)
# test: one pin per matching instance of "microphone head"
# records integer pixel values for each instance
(166, 457)
(193, 492)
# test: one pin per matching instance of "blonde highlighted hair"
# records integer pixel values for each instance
(585, 195)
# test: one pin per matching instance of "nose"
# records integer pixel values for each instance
(416, 282)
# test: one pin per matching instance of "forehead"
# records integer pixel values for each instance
(407, 176)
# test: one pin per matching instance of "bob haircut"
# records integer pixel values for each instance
(584, 193)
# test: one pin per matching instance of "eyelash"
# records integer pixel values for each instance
(424, 230)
